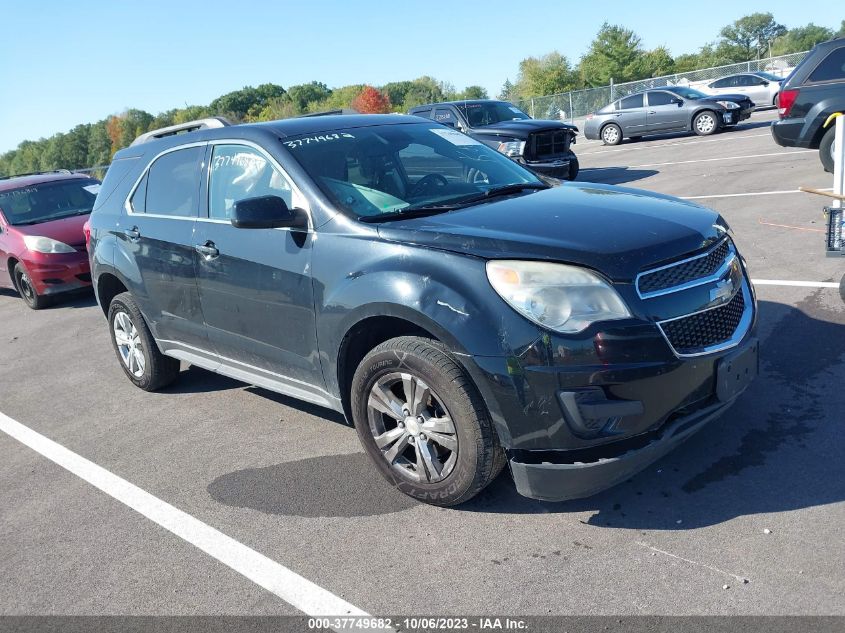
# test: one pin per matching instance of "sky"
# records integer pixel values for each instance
(64, 63)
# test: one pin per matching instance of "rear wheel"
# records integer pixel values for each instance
(139, 356)
(705, 123)
(611, 134)
(27, 290)
(423, 423)
(775, 100)
(826, 149)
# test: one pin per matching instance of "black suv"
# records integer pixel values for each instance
(461, 313)
(543, 146)
(809, 99)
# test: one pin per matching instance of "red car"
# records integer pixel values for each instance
(42, 242)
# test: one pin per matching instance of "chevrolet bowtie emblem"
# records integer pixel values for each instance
(723, 290)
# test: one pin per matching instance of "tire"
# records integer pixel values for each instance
(826, 149)
(574, 168)
(611, 134)
(842, 288)
(466, 455)
(775, 99)
(27, 292)
(705, 123)
(137, 352)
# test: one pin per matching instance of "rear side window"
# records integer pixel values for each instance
(659, 98)
(173, 183)
(724, 82)
(831, 68)
(426, 114)
(634, 101)
(444, 115)
(138, 202)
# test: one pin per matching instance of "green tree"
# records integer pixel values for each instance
(507, 92)
(841, 31)
(544, 75)
(303, 94)
(654, 63)
(99, 145)
(801, 38)
(472, 92)
(615, 54)
(750, 36)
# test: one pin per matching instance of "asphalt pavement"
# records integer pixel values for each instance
(754, 503)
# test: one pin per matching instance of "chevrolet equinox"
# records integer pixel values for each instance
(462, 315)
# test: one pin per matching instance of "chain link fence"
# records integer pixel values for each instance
(579, 103)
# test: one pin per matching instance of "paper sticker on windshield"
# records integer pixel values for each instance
(95, 189)
(515, 109)
(455, 137)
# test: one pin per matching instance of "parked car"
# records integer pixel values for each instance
(761, 87)
(812, 94)
(664, 110)
(462, 314)
(42, 244)
(545, 147)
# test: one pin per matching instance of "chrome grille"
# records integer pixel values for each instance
(704, 330)
(687, 271)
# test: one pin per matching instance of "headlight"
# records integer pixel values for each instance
(46, 245)
(512, 148)
(730, 105)
(563, 298)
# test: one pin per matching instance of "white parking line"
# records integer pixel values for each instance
(710, 160)
(297, 591)
(671, 144)
(750, 193)
(798, 284)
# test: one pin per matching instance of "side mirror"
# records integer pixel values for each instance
(678, 101)
(267, 212)
(764, 83)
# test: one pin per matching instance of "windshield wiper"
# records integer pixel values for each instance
(415, 212)
(505, 190)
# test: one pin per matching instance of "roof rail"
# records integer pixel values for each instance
(37, 173)
(190, 126)
(329, 113)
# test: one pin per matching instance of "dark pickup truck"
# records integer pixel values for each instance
(809, 100)
(545, 147)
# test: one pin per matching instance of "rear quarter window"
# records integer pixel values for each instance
(831, 68)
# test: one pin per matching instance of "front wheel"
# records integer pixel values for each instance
(423, 423)
(611, 134)
(826, 149)
(574, 168)
(26, 289)
(139, 356)
(705, 123)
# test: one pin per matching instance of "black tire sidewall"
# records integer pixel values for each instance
(124, 303)
(37, 301)
(574, 168)
(465, 472)
(825, 149)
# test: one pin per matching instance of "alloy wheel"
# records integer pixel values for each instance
(25, 287)
(412, 428)
(705, 123)
(610, 134)
(129, 344)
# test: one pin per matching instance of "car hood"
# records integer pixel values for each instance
(737, 98)
(523, 127)
(614, 230)
(67, 230)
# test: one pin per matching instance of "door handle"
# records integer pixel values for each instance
(208, 250)
(652, 112)
(133, 234)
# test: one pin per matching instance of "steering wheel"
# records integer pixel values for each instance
(428, 183)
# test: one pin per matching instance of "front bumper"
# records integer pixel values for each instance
(557, 168)
(559, 475)
(54, 273)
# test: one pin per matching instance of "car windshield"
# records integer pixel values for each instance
(687, 93)
(481, 114)
(388, 170)
(48, 201)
